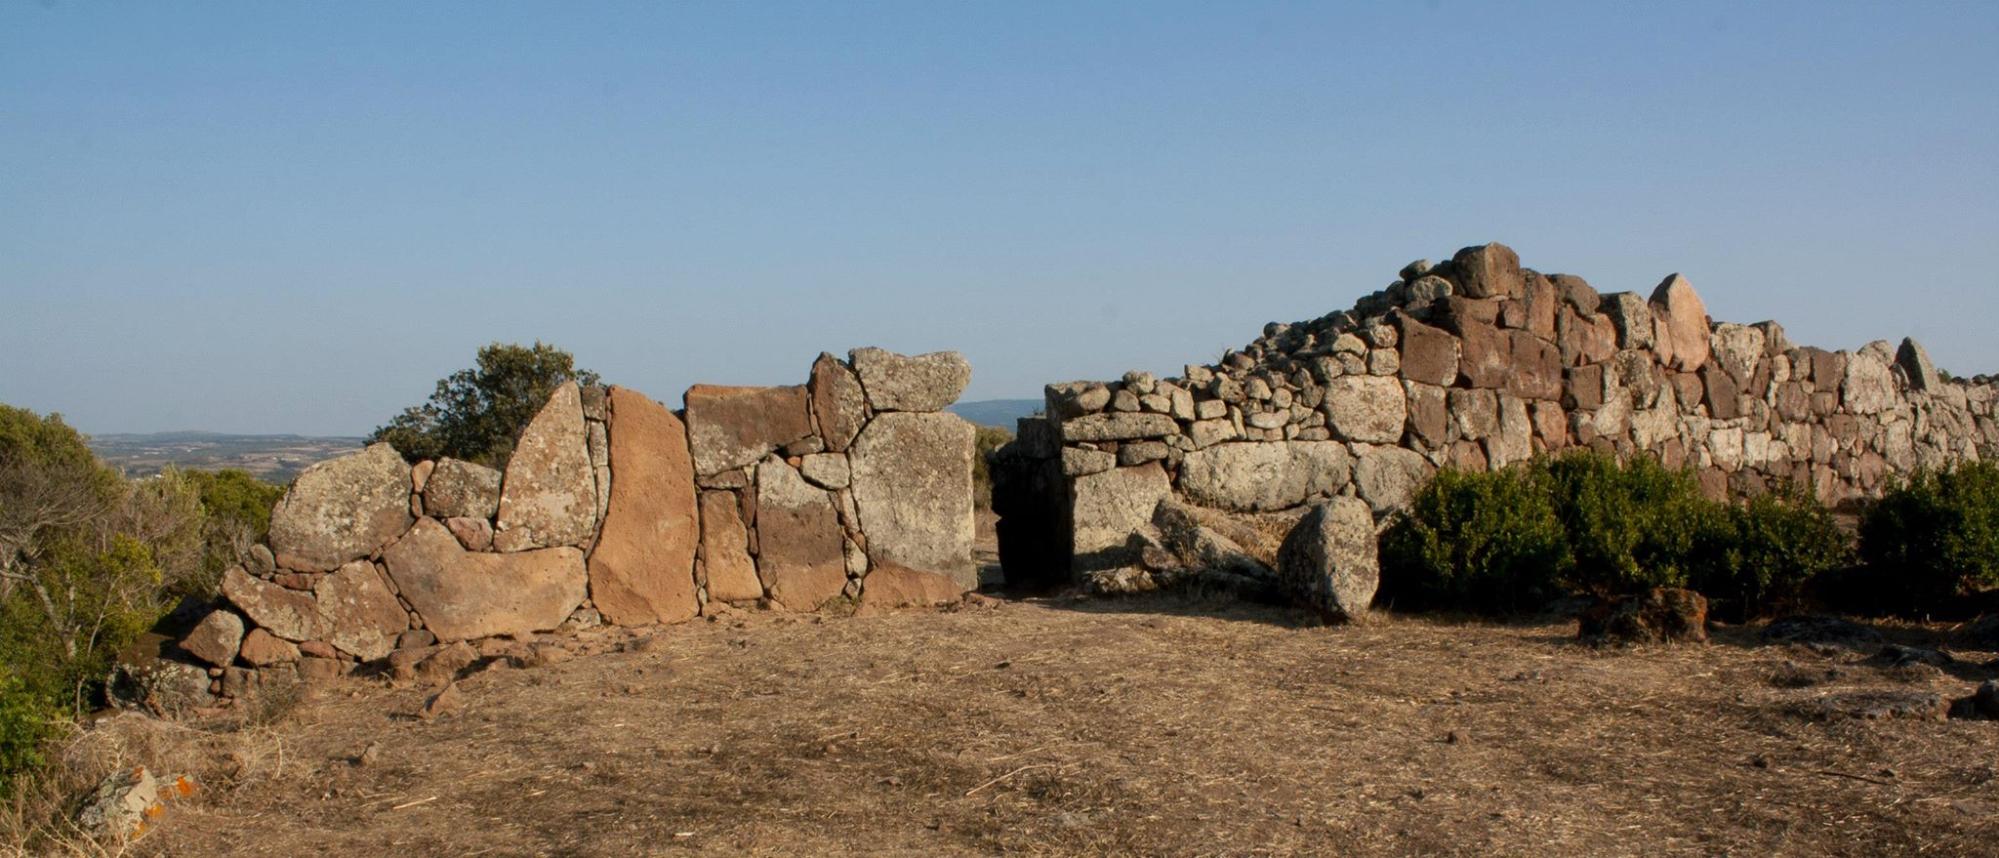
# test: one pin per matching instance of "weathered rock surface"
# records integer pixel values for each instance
(800, 554)
(889, 587)
(342, 509)
(263, 649)
(460, 489)
(1368, 408)
(838, 402)
(1686, 322)
(1107, 508)
(1198, 547)
(463, 595)
(1488, 271)
(894, 382)
(1387, 477)
(1119, 427)
(288, 614)
(912, 483)
(642, 569)
(548, 497)
(1264, 476)
(732, 575)
(1329, 561)
(734, 427)
(216, 639)
(362, 614)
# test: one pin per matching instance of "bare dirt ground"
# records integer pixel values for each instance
(1141, 727)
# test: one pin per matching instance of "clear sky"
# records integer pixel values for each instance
(295, 217)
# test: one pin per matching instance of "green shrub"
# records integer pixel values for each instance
(1757, 558)
(26, 720)
(1490, 542)
(1585, 523)
(1631, 526)
(1932, 539)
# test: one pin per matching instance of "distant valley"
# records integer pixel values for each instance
(279, 458)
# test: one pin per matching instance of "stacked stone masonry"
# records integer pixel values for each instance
(1474, 363)
(613, 508)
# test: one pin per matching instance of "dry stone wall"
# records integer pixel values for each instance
(1474, 363)
(613, 509)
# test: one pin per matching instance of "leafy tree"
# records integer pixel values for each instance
(475, 414)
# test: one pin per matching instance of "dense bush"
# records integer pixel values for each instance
(1485, 541)
(476, 414)
(1512, 539)
(1758, 557)
(1932, 539)
(236, 514)
(88, 562)
(1630, 525)
(26, 719)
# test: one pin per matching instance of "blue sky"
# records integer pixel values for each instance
(295, 217)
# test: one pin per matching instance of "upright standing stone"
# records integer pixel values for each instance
(342, 509)
(1329, 560)
(1686, 322)
(549, 495)
(733, 427)
(1915, 363)
(896, 382)
(732, 575)
(800, 548)
(642, 570)
(912, 482)
(837, 402)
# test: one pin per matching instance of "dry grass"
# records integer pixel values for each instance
(1147, 727)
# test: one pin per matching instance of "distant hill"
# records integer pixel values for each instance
(997, 412)
(277, 458)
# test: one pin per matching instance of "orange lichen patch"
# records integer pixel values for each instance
(183, 787)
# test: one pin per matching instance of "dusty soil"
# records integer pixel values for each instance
(1154, 727)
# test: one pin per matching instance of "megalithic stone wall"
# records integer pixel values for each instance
(614, 508)
(1475, 363)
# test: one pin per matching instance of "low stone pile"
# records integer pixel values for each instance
(614, 509)
(1474, 363)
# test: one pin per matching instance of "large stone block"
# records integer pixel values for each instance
(1388, 477)
(287, 613)
(1118, 426)
(549, 495)
(912, 482)
(362, 614)
(642, 569)
(1915, 363)
(1257, 476)
(800, 547)
(1585, 339)
(734, 427)
(1329, 561)
(889, 587)
(1485, 355)
(1686, 322)
(1738, 349)
(460, 489)
(1107, 508)
(1869, 385)
(1369, 408)
(1429, 355)
(463, 595)
(342, 509)
(732, 575)
(1632, 317)
(838, 403)
(1536, 371)
(1488, 271)
(896, 382)
(216, 638)
(1429, 414)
